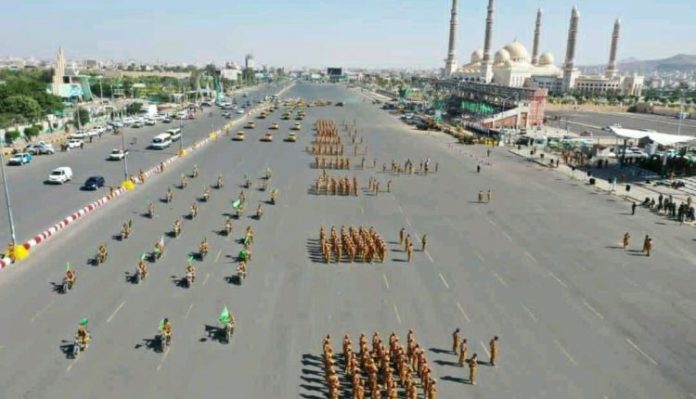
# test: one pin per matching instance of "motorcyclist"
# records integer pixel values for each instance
(70, 277)
(206, 194)
(102, 253)
(142, 269)
(259, 211)
(219, 182)
(159, 250)
(274, 196)
(184, 181)
(249, 234)
(242, 197)
(177, 227)
(170, 195)
(167, 330)
(242, 269)
(151, 210)
(125, 231)
(203, 248)
(195, 171)
(82, 337)
(228, 226)
(268, 173)
(191, 272)
(194, 211)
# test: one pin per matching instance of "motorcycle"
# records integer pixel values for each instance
(189, 279)
(219, 183)
(170, 197)
(137, 277)
(151, 211)
(194, 212)
(66, 286)
(77, 347)
(100, 258)
(206, 196)
(164, 341)
(228, 229)
(227, 332)
(241, 275)
(203, 252)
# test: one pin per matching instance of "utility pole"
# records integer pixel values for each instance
(7, 194)
(125, 155)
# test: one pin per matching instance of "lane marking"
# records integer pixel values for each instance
(507, 236)
(115, 311)
(478, 255)
(188, 311)
(565, 352)
(633, 344)
(207, 276)
(217, 257)
(593, 310)
(408, 222)
(400, 209)
(429, 257)
(531, 257)
(386, 282)
(491, 222)
(396, 312)
(37, 314)
(444, 281)
(561, 282)
(500, 279)
(485, 349)
(67, 370)
(362, 210)
(164, 357)
(530, 313)
(461, 309)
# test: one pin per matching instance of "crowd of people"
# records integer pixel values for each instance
(667, 205)
(332, 163)
(331, 185)
(408, 167)
(460, 347)
(373, 186)
(380, 370)
(352, 244)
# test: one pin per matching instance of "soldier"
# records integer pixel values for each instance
(424, 242)
(494, 350)
(389, 186)
(647, 245)
(480, 196)
(626, 240)
(473, 367)
(463, 351)
(456, 340)
(488, 196)
(409, 251)
(401, 236)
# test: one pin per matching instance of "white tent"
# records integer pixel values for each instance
(659, 138)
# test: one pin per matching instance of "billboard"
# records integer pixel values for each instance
(334, 71)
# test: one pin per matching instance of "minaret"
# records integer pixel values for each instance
(537, 34)
(451, 62)
(569, 71)
(486, 65)
(58, 72)
(611, 68)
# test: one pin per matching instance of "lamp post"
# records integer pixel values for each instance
(7, 193)
(125, 155)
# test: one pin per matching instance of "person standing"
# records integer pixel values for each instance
(401, 236)
(488, 196)
(647, 245)
(456, 340)
(424, 242)
(494, 350)
(633, 208)
(478, 168)
(473, 368)
(463, 351)
(626, 240)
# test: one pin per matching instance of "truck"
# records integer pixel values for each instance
(148, 110)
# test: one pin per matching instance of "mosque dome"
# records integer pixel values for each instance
(517, 52)
(476, 56)
(546, 59)
(501, 56)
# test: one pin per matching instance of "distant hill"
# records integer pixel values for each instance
(677, 63)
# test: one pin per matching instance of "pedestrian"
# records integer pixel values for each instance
(456, 340)
(409, 251)
(401, 236)
(478, 168)
(463, 351)
(424, 242)
(488, 196)
(473, 367)
(494, 350)
(488, 153)
(633, 208)
(82, 145)
(647, 245)
(389, 186)
(480, 196)
(626, 240)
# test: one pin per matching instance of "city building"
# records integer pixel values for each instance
(67, 82)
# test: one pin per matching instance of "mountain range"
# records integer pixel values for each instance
(676, 63)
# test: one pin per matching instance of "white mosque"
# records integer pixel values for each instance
(512, 65)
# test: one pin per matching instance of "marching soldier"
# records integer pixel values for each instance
(626, 240)
(473, 368)
(424, 242)
(401, 236)
(463, 351)
(494, 350)
(456, 340)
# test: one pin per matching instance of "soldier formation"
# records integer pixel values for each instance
(330, 185)
(408, 167)
(352, 244)
(385, 371)
(332, 162)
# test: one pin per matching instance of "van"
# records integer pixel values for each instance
(161, 141)
(60, 175)
(174, 133)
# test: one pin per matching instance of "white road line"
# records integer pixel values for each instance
(492, 222)
(396, 312)
(386, 282)
(531, 257)
(565, 352)
(461, 309)
(164, 357)
(188, 311)
(444, 281)
(400, 209)
(207, 276)
(67, 370)
(37, 314)
(429, 257)
(478, 255)
(593, 310)
(530, 313)
(633, 344)
(115, 311)
(485, 349)
(408, 222)
(500, 279)
(561, 282)
(362, 210)
(217, 257)
(507, 236)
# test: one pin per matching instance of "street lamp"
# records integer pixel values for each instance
(7, 193)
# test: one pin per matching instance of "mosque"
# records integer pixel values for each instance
(512, 66)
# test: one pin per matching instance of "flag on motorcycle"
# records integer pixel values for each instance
(143, 256)
(161, 324)
(190, 260)
(84, 322)
(224, 316)
(236, 204)
(243, 254)
(67, 266)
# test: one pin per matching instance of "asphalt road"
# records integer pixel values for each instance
(37, 205)
(579, 122)
(538, 266)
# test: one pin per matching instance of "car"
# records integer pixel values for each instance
(191, 115)
(292, 137)
(227, 115)
(297, 126)
(92, 133)
(299, 117)
(117, 154)
(586, 133)
(262, 115)
(240, 111)
(150, 122)
(250, 125)
(80, 134)
(339, 104)
(239, 136)
(116, 123)
(60, 175)
(41, 149)
(137, 124)
(285, 117)
(20, 159)
(268, 137)
(275, 126)
(167, 120)
(75, 143)
(93, 183)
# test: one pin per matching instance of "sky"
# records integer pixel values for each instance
(320, 33)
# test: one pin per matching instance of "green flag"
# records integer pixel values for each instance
(190, 260)
(161, 324)
(84, 322)
(236, 204)
(224, 317)
(143, 256)
(247, 239)
(67, 266)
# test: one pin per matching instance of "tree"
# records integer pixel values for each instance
(23, 105)
(33, 131)
(81, 117)
(11, 136)
(134, 108)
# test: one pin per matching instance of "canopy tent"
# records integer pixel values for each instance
(659, 138)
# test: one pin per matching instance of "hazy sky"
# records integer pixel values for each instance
(349, 33)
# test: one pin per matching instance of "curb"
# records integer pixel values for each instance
(91, 207)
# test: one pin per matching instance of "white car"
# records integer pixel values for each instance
(240, 111)
(92, 133)
(75, 143)
(60, 175)
(150, 122)
(117, 154)
(80, 134)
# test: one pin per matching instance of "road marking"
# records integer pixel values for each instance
(42, 310)
(461, 309)
(188, 311)
(565, 352)
(500, 279)
(478, 255)
(561, 282)
(164, 357)
(429, 257)
(485, 349)
(400, 209)
(492, 222)
(593, 310)
(507, 236)
(217, 257)
(67, 370)
(444, 281)
(207, 276)
(530, 313)
(408, 222)
(640, 351)
(396, 312)
(386, 282)
(362, 210)
(115, 311)
(531, 257)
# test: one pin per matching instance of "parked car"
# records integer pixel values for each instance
(339, 104)
(137, 124)
(20, 159)
(167, 120)
(75, 143)
(41, 149)
(60, 175)
(150, 122)
(116, 123)
(80, 134)
(93, 183)
(117, 154)
(240, 111)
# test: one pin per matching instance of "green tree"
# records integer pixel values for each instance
(23, 105)
(32, 131)
(11, 136)
(81, 117)
(134, 108)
